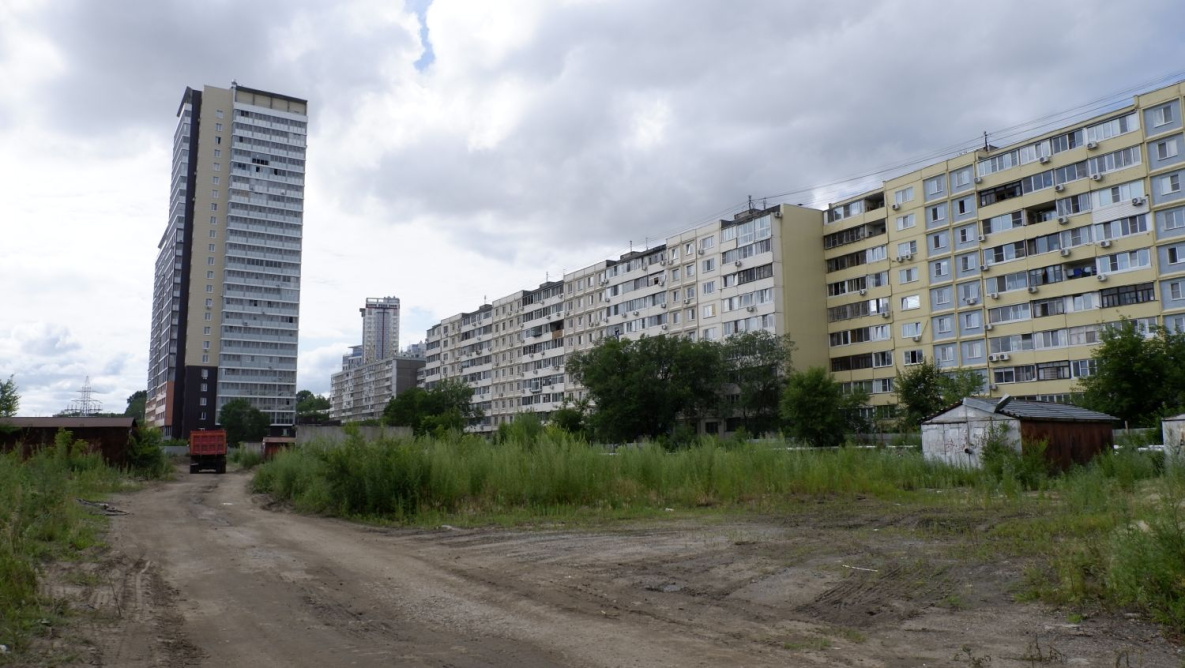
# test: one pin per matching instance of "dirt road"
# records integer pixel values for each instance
(201, 573)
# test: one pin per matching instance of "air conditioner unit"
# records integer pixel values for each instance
(701, 251)
(1004, 357)
(994, 295)
(624, 316)
(917, 337)
(1102, 278)
(751, 309)
(737, 263)
(1137, 201)
(777, 214)
(1063, 220)
(662, 262)
(1096, 177)
(1059, 187)
(635, 313)
(863, 292)
(885, 314)
(982, 238)
(900, 258)
(686, 301)
(979, 179)
(1065, 252)
(1032, 289)
(989, 327)
(908, 257)
(663, 306)
(972, 300)
(993, 358)
(664, 327)
(1092, 145)
(1105, 243)
(984, 267)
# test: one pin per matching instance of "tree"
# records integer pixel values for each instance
(570, 417)
(817, 410)
(10, 398)
(445, 407)
(758, 364)
(310, 408)
(925, 389)
(1137, 378)
(642, 388)
(243, 422)
(136, 404)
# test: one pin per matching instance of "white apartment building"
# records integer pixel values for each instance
(374, 371)
(380, 328)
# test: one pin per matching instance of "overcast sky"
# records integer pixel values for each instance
(461, 149)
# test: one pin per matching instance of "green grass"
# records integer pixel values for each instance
(39, 521)
(246, 460)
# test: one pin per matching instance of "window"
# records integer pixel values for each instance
(960, 179)
(214, 181)
(940, 269)
(217, 127)
(210, 260)
(205, 331)
(202, 401)
(911, 357)
(217, 153)
(709, 265)
(708, 288)
(882, 359)
(935, 187)
(213, 206)
(905, 222)
(710, 334)
(213, 234)
(940, 297)
(1170, 184)
(944, 325)
(689, 270)
(205, 345)
(907, 248)
(1173, 219)
(972, 350)
(217, 113)
(689, 248)
(707, 242)
(1175, 290)
(209, 275)
(218, 140)
(1166, 150)
(904, 195)
(1162, 115)
(908, 275)
(911, 302)
(211, 250)
(968, 262)
(945, 354)
(939, 242)
(972, 320)
(936, 215)
(709, 310)
(675, 274)
(209, 302)
(1176, 255)
(689, 315)
(911, 329)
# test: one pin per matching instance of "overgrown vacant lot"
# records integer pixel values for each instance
(1106, 538)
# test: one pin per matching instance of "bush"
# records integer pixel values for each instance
(246, 459)
(146, 458)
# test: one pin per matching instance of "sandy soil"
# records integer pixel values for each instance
(201, 573)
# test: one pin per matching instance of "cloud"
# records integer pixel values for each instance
(462, 149)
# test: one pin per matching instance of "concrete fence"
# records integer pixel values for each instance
(324, 434)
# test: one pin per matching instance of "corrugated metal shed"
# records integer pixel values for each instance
(108, 435)
(1072, 435)
(69, 422)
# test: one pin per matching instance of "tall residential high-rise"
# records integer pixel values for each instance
(380, 328)
(226, 298)
(375, 371)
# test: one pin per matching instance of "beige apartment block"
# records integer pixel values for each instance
(1010, 260)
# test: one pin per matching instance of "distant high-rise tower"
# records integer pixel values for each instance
(226, 300)
(380, 328)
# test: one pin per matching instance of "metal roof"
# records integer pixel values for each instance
(68, 422)
(1030, 410)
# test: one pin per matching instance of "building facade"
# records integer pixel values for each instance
(373, 372)
(708, 283)
(1011, 260)
(380, 328)
(226, 295)
(1008, 261)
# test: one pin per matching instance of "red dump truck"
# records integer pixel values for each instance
(207, 451)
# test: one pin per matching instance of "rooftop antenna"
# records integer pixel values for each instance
(986, 148)
(85, 405)
(750, 202)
